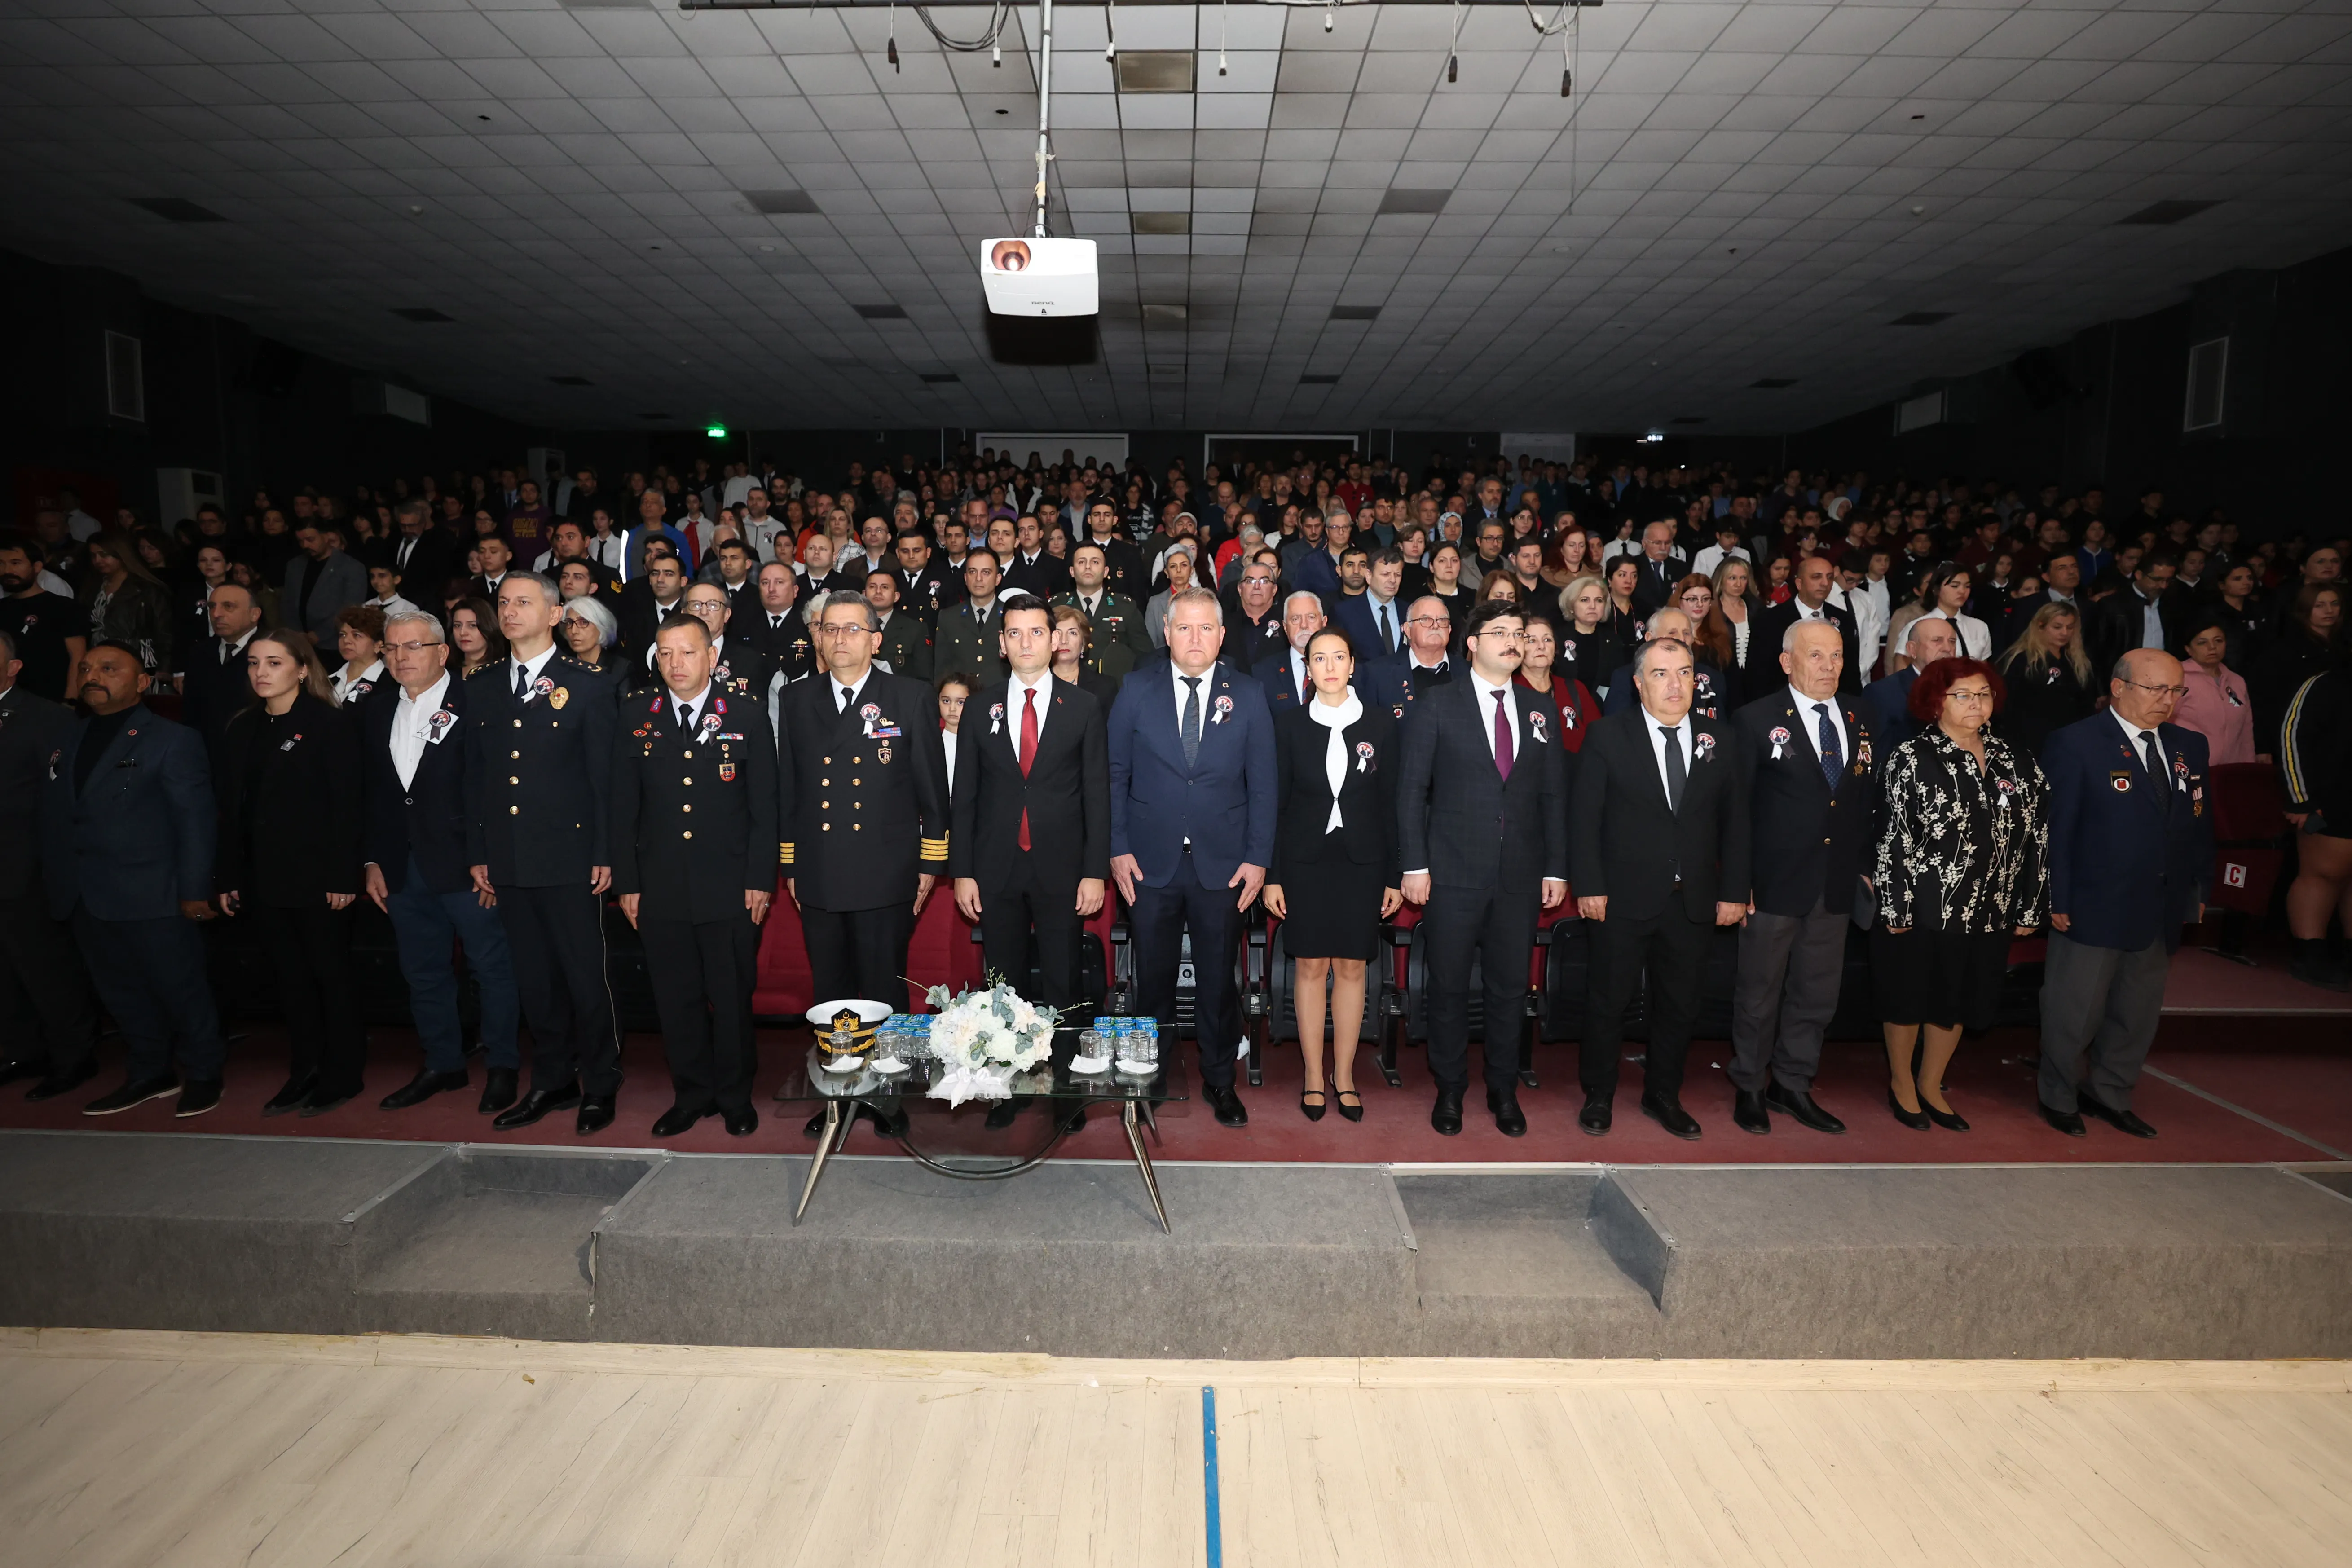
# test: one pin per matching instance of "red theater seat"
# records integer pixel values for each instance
(2248, 806)
(781, 988)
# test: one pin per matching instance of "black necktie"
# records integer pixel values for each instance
(2155, 761)
(846, 695)
(1388, 631)
(685, 719)
(1832, 755)
(1676, 776)
(523, 682)
(1191, 730)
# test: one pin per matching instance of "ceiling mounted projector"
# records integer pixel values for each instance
(1039, 276)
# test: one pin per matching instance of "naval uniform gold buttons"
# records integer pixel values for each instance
(689, 833)
(687, 780)
(518, 723)
(828, 826)
(512, 780)
(515, 754)
(828, 762)
(514, 811)
(686, 809)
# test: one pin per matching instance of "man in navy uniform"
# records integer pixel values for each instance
(539, 748)
(1193, 804)
(53, 1030)
(693, 862)
(1808, 770)
(862, 807)
(414, 738)
(127, 836)
(2130, 847)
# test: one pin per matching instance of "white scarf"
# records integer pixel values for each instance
(1334, 755)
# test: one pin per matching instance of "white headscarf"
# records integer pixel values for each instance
(1334, 755)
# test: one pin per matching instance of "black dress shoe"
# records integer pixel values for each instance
(318, 1102)
(1231, 1111)
(2070, 1122)
(1313, 1112)
(1799, 1106)
(1668, 1113)
(741, 1123)
(1446, 1114)
(499, 1087)
(1352, 1112)
(422, 1088)
(538, 1103)
(1748, 1112)
(677, 1119)
(289, 1097)
(1600, 1110)
(200, 1095)
(62, 1083)
(595, 1114)
(2121, 1121)
(138, 1091)
(1509, 1120)
(1914, 1119)
(16, 1068)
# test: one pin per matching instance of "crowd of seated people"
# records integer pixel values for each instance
(303, 608)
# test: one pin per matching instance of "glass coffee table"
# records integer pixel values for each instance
(980, 1140)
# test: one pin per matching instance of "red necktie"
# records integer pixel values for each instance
(1028, 749)
(1502, 735)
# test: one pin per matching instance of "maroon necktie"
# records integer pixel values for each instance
(1502, 736)
(1028, 749)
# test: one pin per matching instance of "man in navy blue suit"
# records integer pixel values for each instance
(1888, 702)
(1374, 619)
(1192, 809)
(1285, 675)
(417, 868)
(2130, 848)
(127, 834)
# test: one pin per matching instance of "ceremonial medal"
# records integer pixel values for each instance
(727, 773)
(882, 752)
(561, 695)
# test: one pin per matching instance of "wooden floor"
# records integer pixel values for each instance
(136, 1449)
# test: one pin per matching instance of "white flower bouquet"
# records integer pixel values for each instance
(982, 1037)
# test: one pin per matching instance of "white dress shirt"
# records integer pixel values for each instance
(685, 711)
(1015, 696)
(1484, 691)
(1811, 724)
(1655, 730)
(838, 689)
(342, 680)
(1395, 608)
(1208, 679)
(948, 738)
(532, 669)
(412, 727)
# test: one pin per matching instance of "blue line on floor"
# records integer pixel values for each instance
(1208, 1475)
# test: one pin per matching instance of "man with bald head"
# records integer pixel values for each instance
(2131, 843)
(1806, 771)
(1709, 690)
(1888, 701)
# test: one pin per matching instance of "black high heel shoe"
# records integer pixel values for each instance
(1949, 1121)
(1352, 1112)
(1312, 1112)
(1914, 1119)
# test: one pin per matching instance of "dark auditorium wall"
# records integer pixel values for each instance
(2105, 406)
(219, 397)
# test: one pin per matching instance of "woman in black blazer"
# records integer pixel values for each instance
(1335, 875)
(289, 858)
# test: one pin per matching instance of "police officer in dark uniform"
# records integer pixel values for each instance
(863, 812)
(694, 834)
(539, 743)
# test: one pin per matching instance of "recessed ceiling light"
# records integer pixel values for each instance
(1412, 199)
(1160, 223)
(1165, 315)
(176, 210)
(940, 377)
(1773, 382)
(1156, 71)
(1355, 313)
(420, 313)
(1319, 381)
(885, 312)
(571, 381)
(781, 200)
(1922, 317)
(2167, 212)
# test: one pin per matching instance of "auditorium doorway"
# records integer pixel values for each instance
(1230, 453)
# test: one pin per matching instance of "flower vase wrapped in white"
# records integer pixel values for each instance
(982, 1037)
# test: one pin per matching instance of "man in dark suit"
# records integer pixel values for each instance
(1374, 619)
(1888, 702)
(1660, 857)
(1397, 682)
(1815, 581)
(1482, 833)
(1254, 630)
(1035, 569)
(1193, 804)
(1807, 770)
(1285, 675)
(1661, 569)
(966, 638)
(694, 848)
(127, 836)
(421, 552)
(2143, 616)
(775, 626)
(2131, 845)
(321, 583)
(905, 639)
(864, 808)
(1031, 846)
(924, 590)
(1123, 563)
(646, 601)
(53, 1028)
(738, 666)
(213, 682)
(539, 751)
(412, 738)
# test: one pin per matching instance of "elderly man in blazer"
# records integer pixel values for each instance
(1807, 768)
(127, 836)
(1658, 848)
(413, 740)
(1030, 844)
(1192, 809)
(1482, 829)
(2131, 845)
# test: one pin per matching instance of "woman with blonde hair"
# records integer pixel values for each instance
(2051, 681)
(1745, 666)
(1588, 650)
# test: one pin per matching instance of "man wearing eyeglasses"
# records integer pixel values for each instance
(1399, 681)
(2131, 842)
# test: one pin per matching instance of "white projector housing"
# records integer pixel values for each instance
(1028, 276)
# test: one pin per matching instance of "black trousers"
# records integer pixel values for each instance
(150, 976)
(1499, 928)
(310, 949)
(556, 939)
(701, 977)
(1161, 917)
(1673, 947)
(860, 953)
(1010, 913)
(44, 988)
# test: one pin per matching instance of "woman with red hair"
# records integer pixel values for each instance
(1961, 871)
